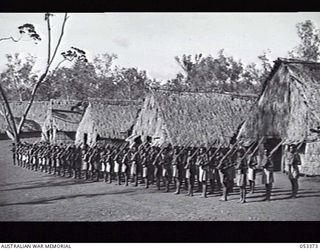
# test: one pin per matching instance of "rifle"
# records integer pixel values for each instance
(275, 149)
(197, 150)
(158, 155)
(248, 150)
(183, 148)
(256, 148)
(244, 155)
(208, 148)
(300, 145)
(121, 147)
(227, 154)
(215, 152)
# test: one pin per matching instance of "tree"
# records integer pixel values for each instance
(207, 73)
(26, 29)
(15, 129)
(130, 83)
(18, 78)
(309, 47)
(266, 64)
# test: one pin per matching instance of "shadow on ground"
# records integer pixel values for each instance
(63, 197)
(41, 184)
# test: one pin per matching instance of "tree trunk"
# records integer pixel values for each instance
(9, 117)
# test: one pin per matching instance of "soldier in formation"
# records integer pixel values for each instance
(206, 169)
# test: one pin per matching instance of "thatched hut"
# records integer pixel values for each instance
(62, 120)
(34, 121)
(107, 120)
(183, 118)
(287, 109)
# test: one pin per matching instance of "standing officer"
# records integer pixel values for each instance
(293, 160)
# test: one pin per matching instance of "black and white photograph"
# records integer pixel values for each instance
(145, 116)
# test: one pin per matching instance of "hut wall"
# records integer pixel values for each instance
(112, 119)
(63, 116)
(270, 117)
(298, 120)
(86, 126)
(310, 164)
(273, 111)
(151, 123)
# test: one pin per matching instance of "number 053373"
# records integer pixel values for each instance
(309, 245)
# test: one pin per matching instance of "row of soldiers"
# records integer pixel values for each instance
(209, 169)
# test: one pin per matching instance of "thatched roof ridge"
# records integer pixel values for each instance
(233, 94)
(120, 102)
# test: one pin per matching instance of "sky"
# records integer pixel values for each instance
(150, 41)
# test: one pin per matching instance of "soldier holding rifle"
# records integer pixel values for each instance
(241, 169)
(177, 167)
(190, 170)
(125, 169)
(225, 172)
(267, 164)
(214, 178)
(202, 163)
(146, 163)
(135, 162)
(118, 163)
(252, 163)
(158, 166)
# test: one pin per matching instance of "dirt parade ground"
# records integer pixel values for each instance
(26, 195)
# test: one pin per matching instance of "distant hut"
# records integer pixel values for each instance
(62, 120)
(184, 118)
(288, 109)
(107, 120)
(33, 122)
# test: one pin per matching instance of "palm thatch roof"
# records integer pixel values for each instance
(288, 106)
(112, 119)
(64, 115)
(182, 118)
(35, 117)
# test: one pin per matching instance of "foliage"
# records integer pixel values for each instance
(309, 47)
(222, 73)
(97, 79)
(18, 77)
